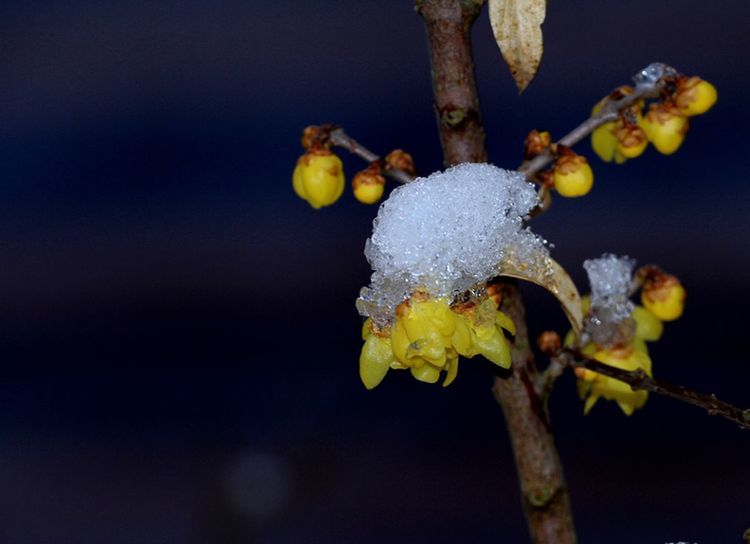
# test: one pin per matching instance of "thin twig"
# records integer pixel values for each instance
(639, 380)
(342, 139)
(545, 381)
(609, 112)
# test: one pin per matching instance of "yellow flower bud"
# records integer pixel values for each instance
(573, 176)
(422, 332)
(375, 360)
(401, 160)
(664, 296)
(647, 326)
(604, 141)
(486, 334)
(665, 127)
(695, 96)
(536, 143)
(319, 178)
(592, 385)
(604, 138)
(368, 186)
(631, 141)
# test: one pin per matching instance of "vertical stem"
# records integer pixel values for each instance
(544, 494)
(456, 102)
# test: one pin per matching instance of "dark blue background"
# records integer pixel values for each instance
(178, 337)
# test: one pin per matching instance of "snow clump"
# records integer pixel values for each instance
(610, 278)
(447, 233)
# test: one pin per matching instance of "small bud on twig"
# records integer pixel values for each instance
(536, 143)
(314, 136)
(400, 160)
(368, 185)
(549, 342)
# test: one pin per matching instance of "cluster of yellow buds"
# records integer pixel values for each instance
(428, 336)
(664, 125)
(318, 177)
(663, 298)
(368, 185)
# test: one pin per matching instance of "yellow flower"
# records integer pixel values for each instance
(695, 96)
(368, 185)
(428, 336)
(592, 386)
(664, 297)
(621, 139)
(485, 324)
(665, 126)
(631, 141)
(318, 178)
(573, 176)
(375, 360)
(648, 327)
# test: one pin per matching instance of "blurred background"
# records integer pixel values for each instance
(178, 336)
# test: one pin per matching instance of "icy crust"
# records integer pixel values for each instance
(447, 232)
(610, 279)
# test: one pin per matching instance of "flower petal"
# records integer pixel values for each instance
(374, 361)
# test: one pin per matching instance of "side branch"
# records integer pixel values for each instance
(341, 139)
(609, 112)
(639, 380)
(448, 24)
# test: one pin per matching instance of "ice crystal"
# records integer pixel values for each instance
(609, 317)
(653, 73)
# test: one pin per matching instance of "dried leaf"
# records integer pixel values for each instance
(554, 279)
(516, 25)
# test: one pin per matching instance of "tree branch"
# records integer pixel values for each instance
(341, 139)
(448, 23)
(545, 495)
(645, 88)
(639, 380)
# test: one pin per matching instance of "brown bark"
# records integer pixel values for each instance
(448, 25)
(544, 494)
(545, 497)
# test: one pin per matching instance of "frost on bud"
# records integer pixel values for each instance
(369, 184)
(695, 96)
(536, 142)
(664, 296)
(319, 177)
(665, 127)
(631, 141)
(400, 160)
(573, 176)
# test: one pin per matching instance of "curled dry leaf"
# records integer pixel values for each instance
(516, 25)
(554, 279)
